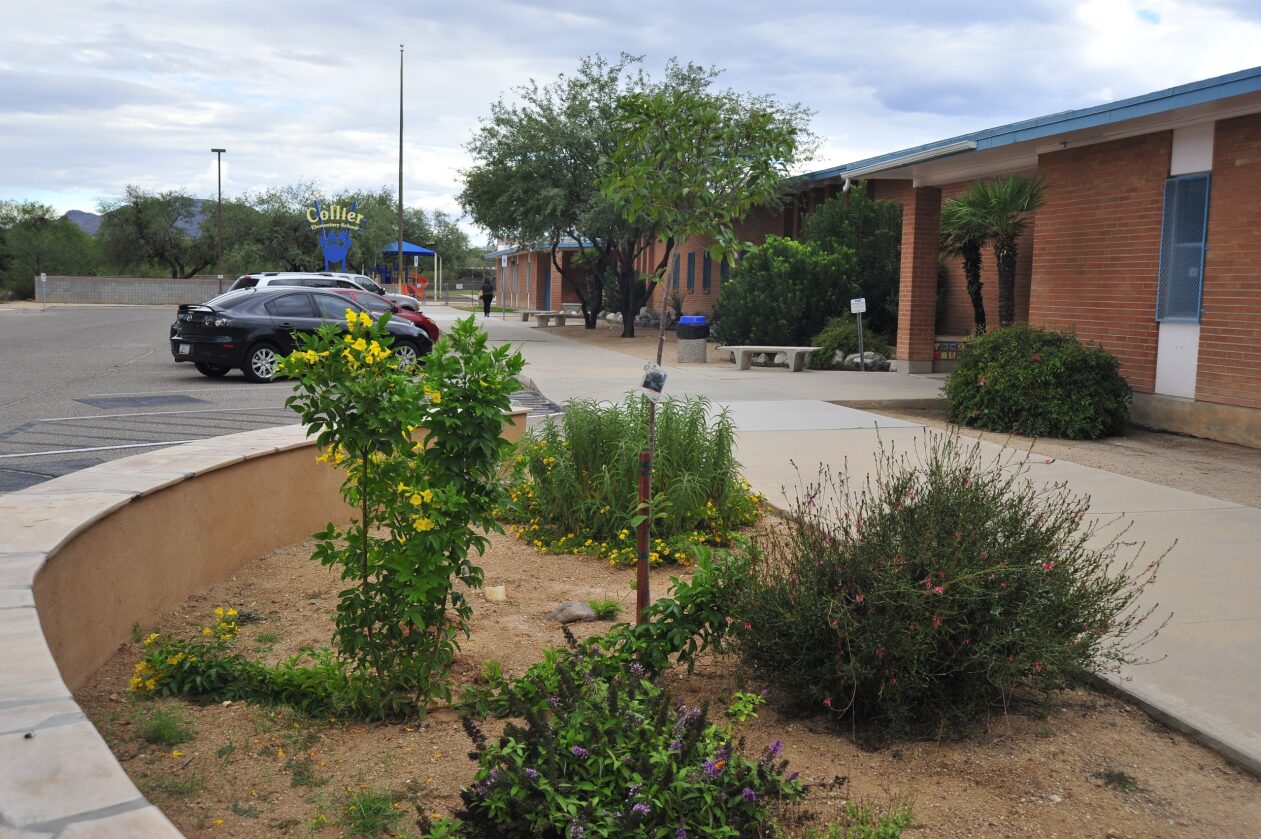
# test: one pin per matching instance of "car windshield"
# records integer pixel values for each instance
(371, 286)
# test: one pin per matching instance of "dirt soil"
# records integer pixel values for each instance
(1086, 766)
(1207, 467)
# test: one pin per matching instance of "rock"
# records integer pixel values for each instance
(572, 611)
(1054, 799)
(873, 361)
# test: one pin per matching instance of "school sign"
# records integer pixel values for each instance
(333, 225)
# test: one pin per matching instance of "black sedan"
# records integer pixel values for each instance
(252, 329)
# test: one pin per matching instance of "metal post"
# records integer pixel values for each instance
(641, 538)
(399, 279)
(862, 359)
(219, 160)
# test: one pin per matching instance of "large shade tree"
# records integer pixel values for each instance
(538, 164)
(155, 229)
(34, 240)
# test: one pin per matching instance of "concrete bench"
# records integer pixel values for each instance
(545, 318)
(797, 357)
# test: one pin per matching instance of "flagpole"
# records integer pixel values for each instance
(398, 279)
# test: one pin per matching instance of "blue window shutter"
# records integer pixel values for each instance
(724, 269)
(707, 270)
(676, 270)
(1183, 237)
(691, 271)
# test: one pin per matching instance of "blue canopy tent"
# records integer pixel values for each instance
(390, 265)
(408, 249)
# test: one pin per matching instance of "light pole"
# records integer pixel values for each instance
(218, 153)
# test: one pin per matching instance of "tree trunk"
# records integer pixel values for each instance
(972, 271)
(1005, 260)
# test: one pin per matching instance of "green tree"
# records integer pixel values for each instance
(1003, 208)
(784, 292)
(870, 230)
(34, 240)
(963, 235)
(538, 166)
(692, 161)
(152, 229)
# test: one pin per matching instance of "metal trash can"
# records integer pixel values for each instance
(693, 334)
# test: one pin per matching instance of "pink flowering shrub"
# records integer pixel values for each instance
(925, 597)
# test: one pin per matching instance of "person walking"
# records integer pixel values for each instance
(488, 294)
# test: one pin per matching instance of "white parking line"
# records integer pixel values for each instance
(267, 386)
(161, 413)
(100, 448)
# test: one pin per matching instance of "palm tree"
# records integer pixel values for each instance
(1003, 207)
(963, 234)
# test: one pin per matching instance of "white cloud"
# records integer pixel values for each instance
(96, 96)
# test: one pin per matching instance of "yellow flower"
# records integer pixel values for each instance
(176, 753)
(231, 613)
(150, 684)
(134, 683)
(428, 494)
(219, 611)
(150, 638)
(205, 630)
(422, 524)
(217, 822)
(352, 317)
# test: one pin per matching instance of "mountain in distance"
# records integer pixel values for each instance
(89, 223)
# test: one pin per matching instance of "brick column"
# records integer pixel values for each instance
(917, 294)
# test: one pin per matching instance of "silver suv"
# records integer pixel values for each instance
(323, 279)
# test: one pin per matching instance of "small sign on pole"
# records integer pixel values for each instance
(857, 306)
(43, 289)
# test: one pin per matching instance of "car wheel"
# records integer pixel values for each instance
(214, 371)
(406, 352)
(261, 363)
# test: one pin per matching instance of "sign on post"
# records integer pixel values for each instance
(43, 289)
(857, 306)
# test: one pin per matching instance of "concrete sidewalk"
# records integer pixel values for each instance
(1207, 664)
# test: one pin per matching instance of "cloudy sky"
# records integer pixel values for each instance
(97, 94)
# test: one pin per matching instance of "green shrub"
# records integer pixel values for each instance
(1038, 382)
(872, 232)
(575, 484)
(605, 752)
(928, 596)
(782, 293)
(841, 335)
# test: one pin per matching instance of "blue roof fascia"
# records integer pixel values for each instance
(1039, 128)
(565, 245)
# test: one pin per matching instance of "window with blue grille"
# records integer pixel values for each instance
(1182, 240)
(707, 270)
(691, 271)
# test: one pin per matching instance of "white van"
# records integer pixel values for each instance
(323, 279)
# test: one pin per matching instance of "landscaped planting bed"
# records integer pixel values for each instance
(1085, 765)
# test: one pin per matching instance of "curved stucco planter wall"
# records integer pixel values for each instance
(85, 557)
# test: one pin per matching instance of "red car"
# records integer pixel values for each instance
(377, 305)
